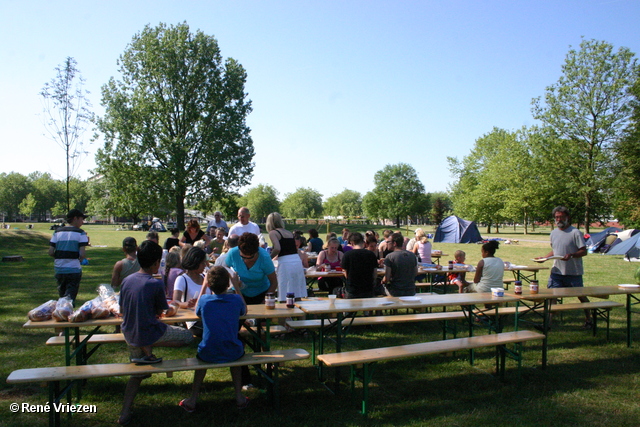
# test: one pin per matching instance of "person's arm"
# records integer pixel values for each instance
(273, 279)
(275, 244)
(183, 240)
(115, 275)
(177, 293)
(479, 268)
(83, 253)
(52, 251)
(320, 260)
(387, 275)
(304, 258)
(578, 254)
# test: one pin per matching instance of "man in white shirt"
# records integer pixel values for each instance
(244, 225)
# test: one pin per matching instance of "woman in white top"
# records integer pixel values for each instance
(422, 246)
(187, 286)
(490, 270)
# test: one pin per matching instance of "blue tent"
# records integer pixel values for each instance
(457, 230)
(596, 240)
(630, 248)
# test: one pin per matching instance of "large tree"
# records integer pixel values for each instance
(261, 201)
(14, 187)
(67, 114)
(178, 116)
(397, 194)
(587, 109)
(348, 203)
(302, 203)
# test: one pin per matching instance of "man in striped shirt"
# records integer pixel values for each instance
(67, 247)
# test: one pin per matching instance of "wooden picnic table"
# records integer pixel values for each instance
(545, 296)
(76, 348)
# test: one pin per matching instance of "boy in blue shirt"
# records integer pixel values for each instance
(220, 314)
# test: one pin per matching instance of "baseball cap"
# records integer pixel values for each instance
(73, 213)
(129, 242)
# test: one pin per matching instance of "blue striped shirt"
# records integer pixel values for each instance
(67, 242)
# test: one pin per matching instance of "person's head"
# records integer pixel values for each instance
(185, 248)
(173, 258)
(244, 215)
(193, 226)
(397, 240)
(174, 232)
(153, 236)
(371, 242)
(561, 217)
(194, 259)
(249, 245)
(232, 241)
(212, 232)
(460, 256)
(129, 245)
(356, 239)
(298, 239)
(345, 233)
(420, 236)
(220, 234)
(217, 215)
(387, 234)
(200, 244)
(274, 220)
(149, 256)
(218, 280)
(489, 248)
(330, 236)
(75, 217)
(332, 245)
(313, 233)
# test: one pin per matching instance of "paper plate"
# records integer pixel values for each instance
(411, 299)
(629, 286)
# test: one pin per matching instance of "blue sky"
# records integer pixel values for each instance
(339, 88)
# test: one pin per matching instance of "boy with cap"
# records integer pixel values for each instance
(127, 266)
(67, 247)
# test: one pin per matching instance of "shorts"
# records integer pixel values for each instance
(564, 281)
(172, 334)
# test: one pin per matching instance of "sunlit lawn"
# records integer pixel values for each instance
(588, 381)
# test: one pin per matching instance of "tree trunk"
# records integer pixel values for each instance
(587, 211)
(180, 210)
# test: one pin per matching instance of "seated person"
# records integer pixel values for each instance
(127, 266)
(220, 314)
(315, 242)
(490, 269)
(401, 268)
(422, 246)
(458, 279)
(173, 269)
(330, 259)
(154, 237)
(142, 301)
(216, 245)
(172, 241)
(360, 269)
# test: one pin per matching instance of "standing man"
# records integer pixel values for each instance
(360, 267)
(244, 225)
(401, 268)
(67, 247)
(218, 222)
(567, 242)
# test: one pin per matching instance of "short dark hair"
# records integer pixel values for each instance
(148, 253)
(174, 231)
(313, 233)
(153, 235)
(356, 238)
(193, 258)
(491, 246)
(371, 238)
(218, 279)
(248, 243)
(560, 209)
(232, 241)
(398, 239)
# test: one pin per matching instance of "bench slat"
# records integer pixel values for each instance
(124, 369)
(382, 320)
(95, 339)
(556, 307)
(413, 350)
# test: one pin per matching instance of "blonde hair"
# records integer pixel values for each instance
(274, 220)
(200, 244)
(459, 254)
(420, 236)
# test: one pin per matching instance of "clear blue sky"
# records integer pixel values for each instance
(339, 88)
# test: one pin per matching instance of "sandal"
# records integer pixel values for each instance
(146, 360)
(185, 407)
(244, 405)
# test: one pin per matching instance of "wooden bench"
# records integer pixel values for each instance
(444, 317)
(360, 361)
(599, 309)
(54, 375)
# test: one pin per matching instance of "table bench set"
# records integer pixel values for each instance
(326, 319)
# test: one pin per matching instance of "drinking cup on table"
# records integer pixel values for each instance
(332, 299)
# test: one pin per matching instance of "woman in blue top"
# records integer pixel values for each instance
(220, 314)
(255, 268)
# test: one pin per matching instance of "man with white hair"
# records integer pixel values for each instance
(218, 222)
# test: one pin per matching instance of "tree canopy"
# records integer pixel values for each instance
(261, 201)
(347, 203)
(176, 121)
(302, 203)
(587, 109)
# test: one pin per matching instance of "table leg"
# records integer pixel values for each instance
(628, 320)
(545, 329)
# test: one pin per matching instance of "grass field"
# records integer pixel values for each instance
(588, 381)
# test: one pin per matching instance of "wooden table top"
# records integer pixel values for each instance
(587, 291)
(324, 306)
(257, 311)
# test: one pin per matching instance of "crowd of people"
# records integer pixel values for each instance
(218, 272)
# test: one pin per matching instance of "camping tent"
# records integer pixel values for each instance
(457, 230)
(598, 239)
(630, 248)
(623, 236)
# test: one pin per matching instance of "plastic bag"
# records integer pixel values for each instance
(64, 309)
(84, 312)
(42, 312)
(110, 299)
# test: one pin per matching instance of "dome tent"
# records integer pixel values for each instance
(457, 230)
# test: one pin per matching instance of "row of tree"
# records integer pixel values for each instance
(584, 155)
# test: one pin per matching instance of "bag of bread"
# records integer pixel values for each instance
(64, 309)
(83, 313)
(99, 309)
(110, 299)
(42, 312)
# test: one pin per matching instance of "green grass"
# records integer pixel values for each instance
(588, 381)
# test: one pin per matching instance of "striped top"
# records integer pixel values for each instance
(67, 242)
